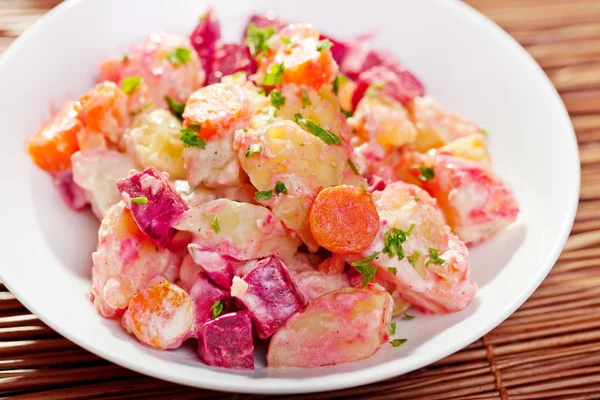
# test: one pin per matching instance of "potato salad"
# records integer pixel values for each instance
(288, 188)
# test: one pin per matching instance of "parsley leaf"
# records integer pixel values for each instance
(277, 100)
(257, 39)
(367, 270)
(407, 317)
(347, 114)
(131, 84)
(217, 308)
(142, 109)
(426, 173)
(175, 107)
(285, 40)
(483, 131)
(215, 225)
(373, 88)
(393, 241)
(413, 258)
(392, 270)
(305, 99)
(280, 188)
(324, 45)
(398, 342)
(139, 200)
(417, 198)
(254, 148)
(275, 75)
(364, 188)
(336, 82)
(393, 326)
(179, 56)
(435, 257)
(317, 130)
(189, 137)
(353, 167)
(263, 195)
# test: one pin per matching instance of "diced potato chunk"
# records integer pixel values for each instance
(470, 147)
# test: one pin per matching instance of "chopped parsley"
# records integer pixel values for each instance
(257, 39)
(407, 317)
(275, 75)
(189, 137)
(217, 308)
(398, 342)
(131, 84)
(417, 198)
(179, 56)
(316, 129)
(139, 200)
(336, 82)
(215, 225)
(254, 148)
(125, 58)
(393, 326)
(285, 40)
(393, 241)
(347, 114)
(413, 258)
(373, 88)
(483, 131)
(175, 107)
(426, 173)
(353, 167)
(302, 144)
(323, 45)
(277, 100)
(367, 270)
(280, 188)
(435, 257)
(364, 188)
(305, 99)
(142, 109)
(392, 270)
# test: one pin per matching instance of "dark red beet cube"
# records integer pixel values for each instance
(154, 205)
(271, 296)
(398, 83)
(230, 58)
(338, 50)
(205, 295)
(358, 59)
(204, 37)
(227, 341)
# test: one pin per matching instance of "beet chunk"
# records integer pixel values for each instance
(270, 294)
(205, 294)
(204, 37)
(227, 341)
(398, 83)
(230, 58)
(153, 203)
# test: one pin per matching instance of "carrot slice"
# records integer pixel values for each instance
(51, 147)
(343, 219)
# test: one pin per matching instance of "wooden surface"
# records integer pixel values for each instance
(549, 348)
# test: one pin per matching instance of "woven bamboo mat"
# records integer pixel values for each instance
(549, 348)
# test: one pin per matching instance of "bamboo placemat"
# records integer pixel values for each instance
(549, 348)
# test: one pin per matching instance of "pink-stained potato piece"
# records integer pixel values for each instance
(270, 294)
(153, 203)
(395, 80)
(432, 286)
(126, 260)
(220, 268)
(227, 341)
(342, 326)
(477, 202)
(160, 316)
(188, 272)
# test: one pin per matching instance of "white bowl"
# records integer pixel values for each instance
(472, 66)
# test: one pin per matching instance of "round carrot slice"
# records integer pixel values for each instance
(343, 219)
(52, 146)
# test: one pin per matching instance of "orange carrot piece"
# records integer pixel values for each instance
(343, 219)
(51, 147)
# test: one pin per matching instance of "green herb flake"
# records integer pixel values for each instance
(434, 255)
(398, 342)
(347, 114)
(316, 129)
(254, 148)
(392, 270)
(217, 308)
(393, 328)
(364, 188)
(131, 84)
(175, 107)
(373, 89)
(413, 258)
(257, 39)
(215, 225)
(367, 270)
(125, 58)
(189, 137)
(275, 75)
(483, 131)
(285, 40)
(142, 109)
(280, 188)
(393, 242)
(353, 167)
(302, 144)
(407, 317)
(426, 173)
(179, 56)
(324, 44)
(305, 99)
(139, 200)
(277, 100)
(337, 81)
(263, 195)
(417, 198)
